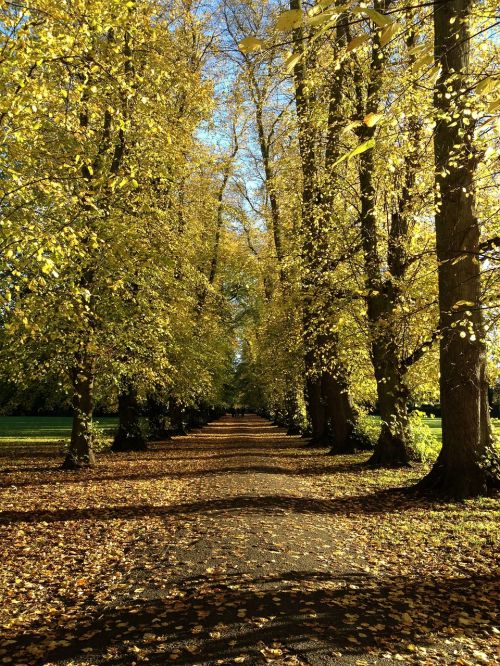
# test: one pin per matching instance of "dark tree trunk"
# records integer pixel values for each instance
(157, 415)
(341, 413)
(292, 414)
(317, 413)
(467, 465)
(315, 209)
(80, 452)
(177, 413)
(393, 447)
(129, 436)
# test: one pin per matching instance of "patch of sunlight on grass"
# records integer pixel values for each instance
(24, 430)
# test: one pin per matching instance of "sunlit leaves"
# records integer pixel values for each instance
(250, 44)
(378, 18)
(291, 61)
(358, 41)
(388, 33)
(289, 20)
(366, 145)
(371, 119)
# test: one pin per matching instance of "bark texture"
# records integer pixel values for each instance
(316, 210)
(393, 447)
(80, 452)
(129, 436)
(467, 465)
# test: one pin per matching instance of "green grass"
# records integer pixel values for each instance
(435, 425)
(44, 429)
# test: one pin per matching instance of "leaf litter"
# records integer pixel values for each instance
(238, 545)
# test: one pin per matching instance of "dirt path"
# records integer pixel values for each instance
(255, 569)
(234, 545)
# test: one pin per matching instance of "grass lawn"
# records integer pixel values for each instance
(34, 430)
(44, 429)
(435, 424)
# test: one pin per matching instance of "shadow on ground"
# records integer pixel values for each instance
(224, 616)
(380, 502)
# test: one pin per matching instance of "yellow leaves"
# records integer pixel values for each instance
(291, 61)
(358, 41)
(494, 106)
(363, 147)
(47, 266)
(250, 44)
(388, 33)
(289, 20)
(371, 119)
(271, 653)
(487, 85)
(352, 125)
(319, 19)
(378, 18)
(481, 656)
(423, 61)
(320, 6)
(459, 304)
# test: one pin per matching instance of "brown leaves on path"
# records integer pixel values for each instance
(237, 545)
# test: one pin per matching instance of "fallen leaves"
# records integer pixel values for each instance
(180, 552)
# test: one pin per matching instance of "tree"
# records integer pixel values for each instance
(124, 135)
(467, 465)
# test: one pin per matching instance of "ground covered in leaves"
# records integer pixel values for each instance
(238, 545)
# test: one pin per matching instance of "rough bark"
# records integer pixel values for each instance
(157, 412)
(129, 436)
(316, 411)
(393, 447)
(467, 465)
(80, 452)
(341, 414)
(292, 414)
(315, 247)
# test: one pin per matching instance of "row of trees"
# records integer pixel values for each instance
(111, 210)
(376, 139)
(293, 206)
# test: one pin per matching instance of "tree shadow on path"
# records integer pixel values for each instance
(223, 616)
(380, 502)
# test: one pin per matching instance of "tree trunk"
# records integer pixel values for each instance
(314, 248)
(340, 412)
(80, 452)
(129, 436)
(176, 412)
(467, 465)
(317, 413)
(157, 415)
(292, 414)
(393, 447)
